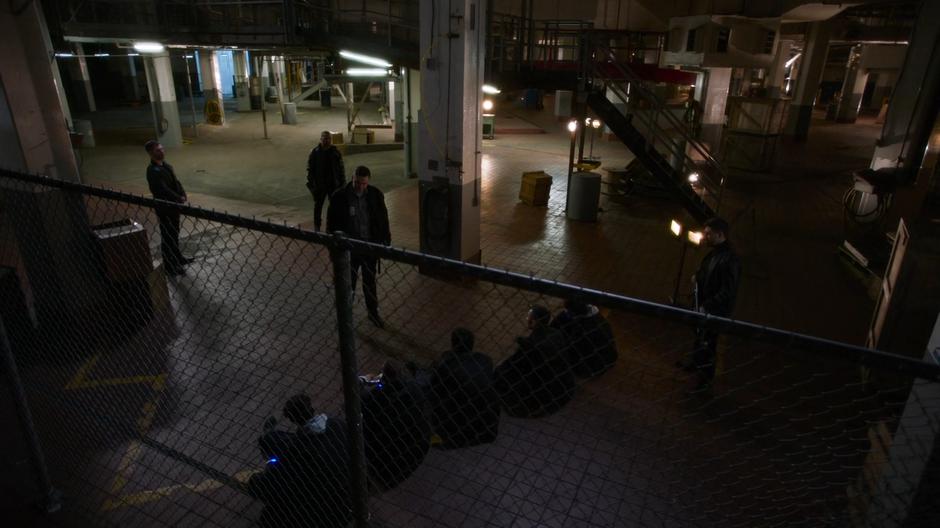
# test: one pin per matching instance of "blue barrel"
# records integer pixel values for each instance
(531, 98)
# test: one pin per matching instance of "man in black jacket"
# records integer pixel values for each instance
(165, 186)
(358, 210)
(536, 380)
(306, 480)
(325, 174)
(716, 288)
(464, 402)
(592, 348)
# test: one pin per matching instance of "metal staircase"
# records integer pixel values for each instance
(658, 138)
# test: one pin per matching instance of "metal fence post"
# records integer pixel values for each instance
(359, 493)
(51, 500)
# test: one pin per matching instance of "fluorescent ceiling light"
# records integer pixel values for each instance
(490, 89)
(133, 54)
(64, 54)
(102, 54)
(366, 72)
(148, 47)
(792, 60)
(364, 59)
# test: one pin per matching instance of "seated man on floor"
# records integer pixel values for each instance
(396, 432)
(306, 480)
(536, 380)
(592, 349)
(464, 402)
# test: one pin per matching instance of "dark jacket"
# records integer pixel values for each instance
(717, 280)
(338, 214)
(592, 348)
(163, 183)
(305, 483)
(536, 380)
(325, 169)
(464, 401)
(396, 433)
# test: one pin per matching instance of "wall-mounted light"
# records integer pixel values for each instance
(695, 237)
(149, 47)
(675, 227)
(487, 105)
(364, 59)
(596, 123)
(366, 72)
(693, 177)
(490, 89)
(587, 121)
(572, 126)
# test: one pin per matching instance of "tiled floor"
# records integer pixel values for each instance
(255, 326)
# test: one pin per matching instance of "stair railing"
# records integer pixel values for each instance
(603, 57)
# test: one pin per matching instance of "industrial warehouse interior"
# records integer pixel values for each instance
(613, 263)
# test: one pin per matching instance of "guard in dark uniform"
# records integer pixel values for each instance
(165, 186)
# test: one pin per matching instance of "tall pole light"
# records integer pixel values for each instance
(573, 129)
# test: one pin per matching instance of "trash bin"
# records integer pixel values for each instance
(584, 196)
(83, 127)
(290, 113)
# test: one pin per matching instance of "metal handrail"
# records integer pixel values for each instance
(651, 120)
(658, 104)
(633, 78)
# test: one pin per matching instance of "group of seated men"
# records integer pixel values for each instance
(457, 402)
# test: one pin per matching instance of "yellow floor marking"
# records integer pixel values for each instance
(143, 497)
(82, 372)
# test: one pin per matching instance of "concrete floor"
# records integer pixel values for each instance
(252, 324)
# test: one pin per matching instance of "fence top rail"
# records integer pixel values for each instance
(766, 334)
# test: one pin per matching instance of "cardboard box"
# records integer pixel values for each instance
(337, 138)
(535, 188)
(363, 136)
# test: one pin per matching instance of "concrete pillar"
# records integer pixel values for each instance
(776, 77)
(211, 82)
(715, 98)
(411, 110)
(852, 87)
(85, 77)
(397, 100)
(240, 60)
(163, 99)
(134, 85)
(815, 49)
(52, 245)
(914, 102)
(34, 136)
(451, 131)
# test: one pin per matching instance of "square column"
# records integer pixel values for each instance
(853, 87)
(813, 61)
(211, 87)
(411, 109)
(776, 77)
(163, 98)
(85, 77)
(451, 129)
(713, 105)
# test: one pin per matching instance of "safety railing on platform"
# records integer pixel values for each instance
(236, 381)
(656, 120)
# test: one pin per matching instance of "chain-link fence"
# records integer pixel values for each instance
(226, 391)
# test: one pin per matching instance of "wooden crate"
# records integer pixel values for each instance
(535, 188)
